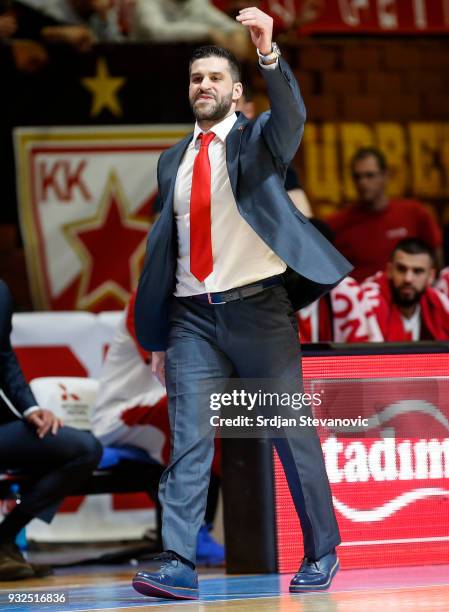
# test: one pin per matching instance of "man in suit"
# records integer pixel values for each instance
(58, 459)
(212, 300)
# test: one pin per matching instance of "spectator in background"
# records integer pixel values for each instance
(131, 404)
(187, 21)
(78, 23)
(8, 21)
(367, 232)
(23, 55)
(292, 183)
(339, 316)
(402, 299)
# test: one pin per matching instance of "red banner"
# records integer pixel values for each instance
(85, 203)
(358, 16)
(381, 16)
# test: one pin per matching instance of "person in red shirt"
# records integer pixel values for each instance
(368, 231)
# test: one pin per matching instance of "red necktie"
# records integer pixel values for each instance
(201, 261)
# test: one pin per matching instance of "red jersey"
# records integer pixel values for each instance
(367, 238)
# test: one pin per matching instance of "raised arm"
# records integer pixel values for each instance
(283, 130)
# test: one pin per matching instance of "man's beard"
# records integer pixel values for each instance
(402, 300)
(216, 112)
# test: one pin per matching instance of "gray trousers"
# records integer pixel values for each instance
(252, 338)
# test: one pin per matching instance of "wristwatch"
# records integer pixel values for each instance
(272, 57)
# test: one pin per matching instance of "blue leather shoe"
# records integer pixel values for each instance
(173, 580)
(208, 551)
(315, 575)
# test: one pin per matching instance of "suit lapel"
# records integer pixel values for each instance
(176, 156)
(233, 141)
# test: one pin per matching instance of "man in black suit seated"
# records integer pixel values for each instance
(57, 458)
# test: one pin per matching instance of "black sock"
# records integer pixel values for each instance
(12, 524)
(182, 559)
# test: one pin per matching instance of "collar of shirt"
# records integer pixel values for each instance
(415, 316)
(221, 129)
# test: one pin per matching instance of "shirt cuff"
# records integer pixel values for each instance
(30, 410)
(272, 66)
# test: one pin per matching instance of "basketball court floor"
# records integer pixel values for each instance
(108, 589)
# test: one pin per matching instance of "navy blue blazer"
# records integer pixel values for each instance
(257, 156)
(12, 380)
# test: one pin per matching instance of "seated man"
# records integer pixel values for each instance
(58, 459)
(131, 409)
(404, 303)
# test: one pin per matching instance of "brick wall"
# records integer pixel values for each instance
(376, 79)
(371, 80)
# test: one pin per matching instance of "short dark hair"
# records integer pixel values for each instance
(213, 51)
(246, 79)
(414, 246)
(365, 152)
(248, 93)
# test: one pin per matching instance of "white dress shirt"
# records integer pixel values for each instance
(412, 325)
(240, 255)
(30, 410)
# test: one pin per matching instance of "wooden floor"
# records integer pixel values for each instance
(106, 589)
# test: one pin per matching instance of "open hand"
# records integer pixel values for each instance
(158, 365)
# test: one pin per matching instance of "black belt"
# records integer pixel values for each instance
(239, 293)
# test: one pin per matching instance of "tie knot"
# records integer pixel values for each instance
(206, 139)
